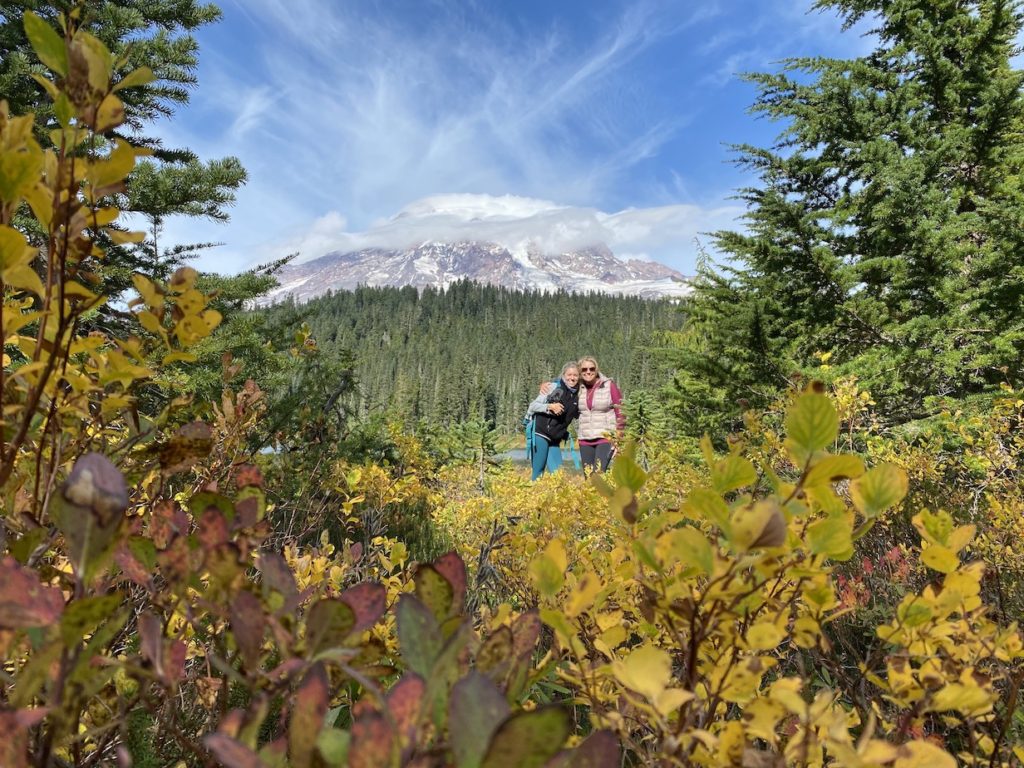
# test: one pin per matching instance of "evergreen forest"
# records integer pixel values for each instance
(480, 352)
(285, 537)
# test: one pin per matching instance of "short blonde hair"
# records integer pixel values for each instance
(588, 359)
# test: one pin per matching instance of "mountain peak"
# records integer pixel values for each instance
(439, 264)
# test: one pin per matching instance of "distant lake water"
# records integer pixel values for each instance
(518, 456)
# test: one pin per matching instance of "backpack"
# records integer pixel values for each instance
(531, 440)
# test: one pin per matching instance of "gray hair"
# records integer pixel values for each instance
(567, 366)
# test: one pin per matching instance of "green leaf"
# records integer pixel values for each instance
(705, 504)
(731, 473)
(82, 616)
(831, 536)
(626, 472)
(812, 424)
(48, 45)
(332, 744)
(528, 739)
(135, 78)
(476, 709)
(882, 487)
(419, 635)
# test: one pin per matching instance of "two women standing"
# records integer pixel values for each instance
(583, 392)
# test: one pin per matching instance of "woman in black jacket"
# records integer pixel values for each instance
(552, 413)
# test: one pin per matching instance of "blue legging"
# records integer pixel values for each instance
(545, 456)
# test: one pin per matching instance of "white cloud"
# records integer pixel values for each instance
(667, 234)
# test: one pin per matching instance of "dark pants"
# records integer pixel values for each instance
(596, 457)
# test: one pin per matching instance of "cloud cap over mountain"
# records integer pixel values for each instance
(662, 233)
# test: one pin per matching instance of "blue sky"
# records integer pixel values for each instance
(617, 114)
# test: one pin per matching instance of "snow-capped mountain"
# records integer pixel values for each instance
(440, 264)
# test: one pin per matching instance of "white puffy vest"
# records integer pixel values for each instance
(598, 420)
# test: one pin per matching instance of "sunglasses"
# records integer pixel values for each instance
(589, 370)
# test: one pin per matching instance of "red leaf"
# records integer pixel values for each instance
(213, 528)
(372, 742)
(24, 601)
(453, 568)
(368, 601)
(230, 753)
(248, 474)
(276, 574)
(151, 632)
(167, 521)
(133, 570)
(525, 633)
(308, 711)
(405, 702)
(248, 623)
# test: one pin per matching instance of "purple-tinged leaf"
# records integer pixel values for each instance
(328, 623)
(368, 601)
(405, 703)
(14, 735)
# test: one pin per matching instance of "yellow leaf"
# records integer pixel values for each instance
(14, 249)
(671, 699)
(690, 547)
(105, 174)
(120, 237)
(647, 670)
(923, 754)
(764, 636)
(583, 594)
(547, 569)
(147, 290)
(24, 278)
(939, 558)
(760, 525)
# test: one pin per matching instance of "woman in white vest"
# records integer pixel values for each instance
(601, 417)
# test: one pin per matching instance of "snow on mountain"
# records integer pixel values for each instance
(525, 266)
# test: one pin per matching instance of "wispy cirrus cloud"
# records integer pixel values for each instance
(345, 112)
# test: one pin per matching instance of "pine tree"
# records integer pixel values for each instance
(158, 34)
(886, 225)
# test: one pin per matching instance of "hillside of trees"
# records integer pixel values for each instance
(479, 352)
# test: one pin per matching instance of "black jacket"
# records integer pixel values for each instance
(556, 428)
